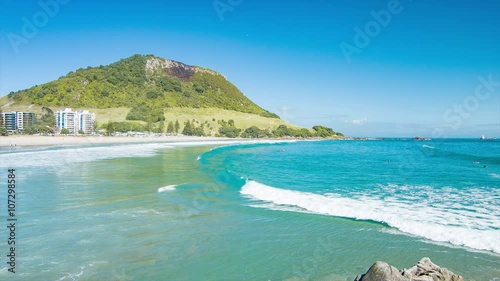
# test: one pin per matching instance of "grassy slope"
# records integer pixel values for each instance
(242, 120)
(201, 115)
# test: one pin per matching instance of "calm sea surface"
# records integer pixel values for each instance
(323, 210)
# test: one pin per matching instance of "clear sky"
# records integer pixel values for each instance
(364, 68)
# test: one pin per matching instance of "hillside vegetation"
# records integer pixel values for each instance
(146, 81)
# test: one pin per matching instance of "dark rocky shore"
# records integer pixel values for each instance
(424, 270)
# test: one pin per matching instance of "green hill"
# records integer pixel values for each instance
(147, 81)
(149, 93)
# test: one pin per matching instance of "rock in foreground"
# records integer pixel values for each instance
(425, 270)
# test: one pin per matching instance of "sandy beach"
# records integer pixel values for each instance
(79, 140)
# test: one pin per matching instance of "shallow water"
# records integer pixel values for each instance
(273, 211)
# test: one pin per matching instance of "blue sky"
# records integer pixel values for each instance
(410, 67)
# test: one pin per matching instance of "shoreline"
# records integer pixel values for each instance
(81, 140)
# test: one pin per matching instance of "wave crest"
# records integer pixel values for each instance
(417, 219)
(167, 188)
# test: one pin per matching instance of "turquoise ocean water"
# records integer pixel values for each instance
(321, 210)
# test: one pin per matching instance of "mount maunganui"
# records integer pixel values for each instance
(141, 80)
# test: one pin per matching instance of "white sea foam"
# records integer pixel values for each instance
(74, 276)
(495, 176)
(461, 224)
(167, 188)
(69, 155)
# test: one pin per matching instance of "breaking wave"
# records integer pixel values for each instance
(473, 227)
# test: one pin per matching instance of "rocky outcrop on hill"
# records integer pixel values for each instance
(424, 270)
(175, 68)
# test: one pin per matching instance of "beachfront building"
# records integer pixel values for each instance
(67, 119)
(87, 120)
(24, 120)
(9, 121)
(75, 121)
(17, 120)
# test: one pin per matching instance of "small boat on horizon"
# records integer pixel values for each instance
(485, 138)
(421, 138)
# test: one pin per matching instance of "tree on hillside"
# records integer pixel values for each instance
(149, 126)
(177, 126)
(3, 131)
(254, 132)
(123, 127)
(323, 132)
(199, 131)
(282, 131)
(152, 94)
(161, 127)
(228, 129)
(110, 129)
(188, 129)
(47, 117)
(303, 133)
(170, 127)
(230, 132)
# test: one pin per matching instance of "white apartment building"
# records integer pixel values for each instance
(74, 121)
(86, 121)
(19, 120)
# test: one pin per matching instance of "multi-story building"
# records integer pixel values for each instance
(67, 119)
(17, 120)
(74, 121)
(9, 121)
(29, 119)
(86, 121)
(24, 120)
